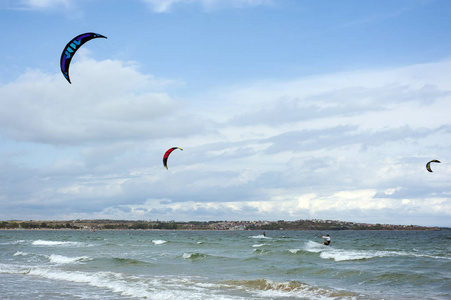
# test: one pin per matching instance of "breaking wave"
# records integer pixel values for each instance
(159, 242)
(60, 259)
(55, 243)
(295, 289)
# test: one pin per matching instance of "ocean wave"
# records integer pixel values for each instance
(396, 278)
(327, 252)
(430, 256)
(194, 256)
(253, 259)
(130, 261)
(300, 251)
(12, 269)
(60, 259)
(341, 255)
(115, 282)
(261, 251)
(259, 245)
(337, 254)
(139, 287)
(294, 251)
(273, 289)
(55, 243)
(260, 236)
(315, 247)
(159, 242)
(133, 287)
(13, 242)
(20, 253)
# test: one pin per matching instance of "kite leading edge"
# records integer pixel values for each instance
(72, 47)
(428, 165)
(166, 155)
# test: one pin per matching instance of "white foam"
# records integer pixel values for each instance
(266, 288)
(337, 254)
(60, 259)
(260, 251)
(170, 287)
(159, 242)
(109, 280)
(55, 243)
(11, 269)
(20, 253)
(158, 288)
(430, 256)
(259, 245)
(260, 236)
(315, 247)
(13, 242)
(294, 251)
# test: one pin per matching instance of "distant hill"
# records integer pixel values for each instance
(315, 225)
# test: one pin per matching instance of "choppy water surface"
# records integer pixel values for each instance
(63, 264)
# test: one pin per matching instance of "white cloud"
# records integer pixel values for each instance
(107, 100)
(341, 146)
(45, 4)
(161, 6)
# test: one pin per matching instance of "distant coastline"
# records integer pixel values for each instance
(106, 224)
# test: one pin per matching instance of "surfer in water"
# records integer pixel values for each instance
(326, 239)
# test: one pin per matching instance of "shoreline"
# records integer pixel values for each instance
(305, 225)
(220, 230)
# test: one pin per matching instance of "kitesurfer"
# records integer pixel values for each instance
(326, 239)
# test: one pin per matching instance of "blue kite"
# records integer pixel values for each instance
(72, 47)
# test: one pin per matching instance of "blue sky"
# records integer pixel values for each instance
(285, 110)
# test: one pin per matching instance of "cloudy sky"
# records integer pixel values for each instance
(285, 109)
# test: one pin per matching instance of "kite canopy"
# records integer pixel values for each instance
(428, 165)
(166, 155)
(72, 47)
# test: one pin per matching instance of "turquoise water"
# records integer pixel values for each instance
(69, 264)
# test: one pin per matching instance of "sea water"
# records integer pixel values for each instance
(70, 264)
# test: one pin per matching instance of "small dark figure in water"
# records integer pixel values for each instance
(263, 233)
(326, 240)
